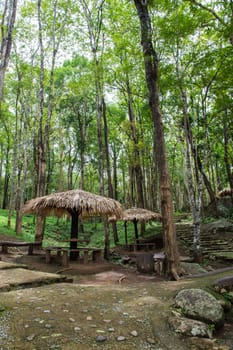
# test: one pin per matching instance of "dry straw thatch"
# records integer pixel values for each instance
(85, 204)
(225, 192)
(77, 204)
(137, 214)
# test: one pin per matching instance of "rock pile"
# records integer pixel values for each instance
(198, 313)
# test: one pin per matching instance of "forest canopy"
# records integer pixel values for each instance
(74, 111)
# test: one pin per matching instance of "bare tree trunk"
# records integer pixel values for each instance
(131, 199)
(44, 123)
(206, 180)
(20, 192)
(94, 18)
(41, 146)
(151, 70)
(136, 162)
(7, 171)
(7, 26)
(15, 163)
(107, 240)
(110, 188)
(193, 178)
(71, 164)
(226, 150)
(115, 180)
(124, 183)
(82, 167)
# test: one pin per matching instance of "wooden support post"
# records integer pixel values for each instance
(85, 256)
(97, 255)
(64, 258)
(30, 249)
(4, 249)
(48, 256)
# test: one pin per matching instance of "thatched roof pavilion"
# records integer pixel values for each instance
(84, 203)
(140, 214)
(75, 203)
(134, 215)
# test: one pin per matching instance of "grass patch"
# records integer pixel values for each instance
(57, 230)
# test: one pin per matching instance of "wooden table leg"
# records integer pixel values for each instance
(64, 258)
(30, 249)
(48, 256)
(85, 256)
(96, 255)
(4, 249)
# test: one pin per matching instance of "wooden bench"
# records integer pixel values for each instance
(62, 254)
(79, 241)
(31, 245)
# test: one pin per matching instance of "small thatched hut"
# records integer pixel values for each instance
(75, 203)
(134, 215)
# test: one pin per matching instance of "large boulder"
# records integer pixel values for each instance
(192, 268)
(225, 282)
(189, 327)
(200, 305)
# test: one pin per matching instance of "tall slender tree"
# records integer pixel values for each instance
(45, 116)
(172, 264)
(6, 31)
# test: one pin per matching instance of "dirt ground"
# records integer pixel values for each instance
(108, 306)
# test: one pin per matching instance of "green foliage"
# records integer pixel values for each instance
(212, 327)
(58, 230)
(195, 54)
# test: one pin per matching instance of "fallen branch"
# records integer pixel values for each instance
(121, 279)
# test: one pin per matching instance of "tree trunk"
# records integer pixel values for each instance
(226, 150)
(206, 181)
(135, 224)
(45, 122)
(151, 70)
(124, 183)
(107, 240)
(131, 196)
(74, 233)
(15, 161)
(115, 179)
(194, 180)
(110, 188)
(7, 173)
(136, 161)
(41, 146)
(7, 26)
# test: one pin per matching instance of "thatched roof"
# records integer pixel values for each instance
(62, 203)
(225, 192)
(137, 214)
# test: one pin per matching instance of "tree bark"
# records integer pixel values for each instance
(226, 149)
(7, 170)
(136, 162)
(15, 160)
(45, 121)
(115, 178)
(41, 146)
(110, 187)
(193, 178)
(172, 265)
(7, 26)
